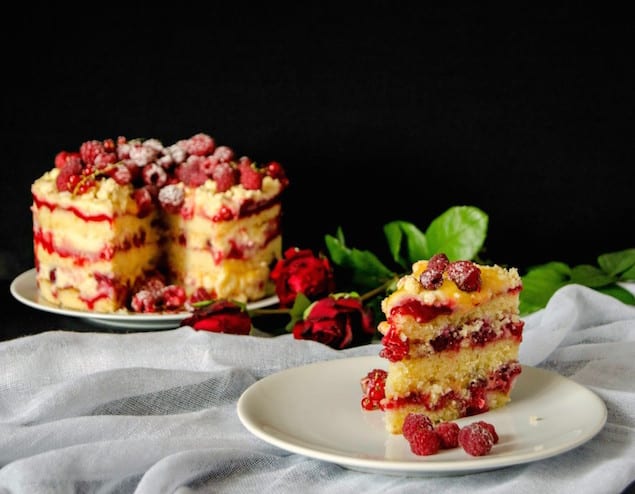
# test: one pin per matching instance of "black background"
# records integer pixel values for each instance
(382, 113)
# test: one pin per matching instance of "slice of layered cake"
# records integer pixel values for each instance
(137, 226)
(451, 339)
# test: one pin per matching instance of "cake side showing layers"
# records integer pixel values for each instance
(451, 338)
(91, 249)
(223, 245)
(132, 225)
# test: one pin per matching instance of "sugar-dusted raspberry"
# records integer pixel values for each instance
(144, 301)
(199, 144)
(475, 439)
(154, 174)
(224, 154)
(89, 149)
(373, 386)
(171, 198)
(64, 157)
(424, 442)
(190, 173)
(173, 297)
(466, 275)
(225, 176)
(432, 277)
(448, 433)
(121, 174)
(438, 262)
(413, 422)
(491, 428)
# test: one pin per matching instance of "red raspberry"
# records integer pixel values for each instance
(89, 150)
(173, 297)
(466, 275)
(475, 439)
(64, 157)
(490, 428)
(190, 173)
(438, 262)
(250, 177)
(373, 385)
(224, 176)
(171, 197)
(154, 174)
(413, 422)
(121, 174)
(224, 154)
(449, 434)
(199, 145)
(145, 203)
(424, 442)
(432, 277)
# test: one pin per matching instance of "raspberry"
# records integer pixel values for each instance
(199, 145)
(224, 154)
(250, 178)
(475, 439)
(89, 150)
(171, 197)
(466, 275)
(449, 434)
(190, 173)
(154, 174)
(224, 176)
(373, 385)
(64, 157)
(490, 428)
(424, 442)
(413, 422)
(438, 262)
(432, 277)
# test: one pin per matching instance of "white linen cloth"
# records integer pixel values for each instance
(155, 412)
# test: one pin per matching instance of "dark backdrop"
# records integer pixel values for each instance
(379, 114)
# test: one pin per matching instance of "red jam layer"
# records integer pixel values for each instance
(395, 348)
(501, 380)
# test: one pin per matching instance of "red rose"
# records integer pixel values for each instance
(300, 271)
(339, 321)
(222, 316)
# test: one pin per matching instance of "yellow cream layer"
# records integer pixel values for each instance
(495, 281)
(439, 373)
(249, 233)
(71, 298)
(239, 279)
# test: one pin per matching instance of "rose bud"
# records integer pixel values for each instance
(221, 316)
(339, 321)
(301, 271)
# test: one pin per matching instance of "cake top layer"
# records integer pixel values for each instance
(116, 171)
(459, 285)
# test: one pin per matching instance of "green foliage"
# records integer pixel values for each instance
(541, 282)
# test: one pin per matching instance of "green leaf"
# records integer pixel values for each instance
(619, 293)
(591, 276)
(540, 283)
(416, 246)
(459, 232)
(615, 263)
(296, 312)
(367, 269)
(628, 275)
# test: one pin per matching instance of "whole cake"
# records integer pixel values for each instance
(133, 225)
(451, 339)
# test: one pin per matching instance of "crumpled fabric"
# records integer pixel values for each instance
(155, 412)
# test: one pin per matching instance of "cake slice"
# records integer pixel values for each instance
(451, 338)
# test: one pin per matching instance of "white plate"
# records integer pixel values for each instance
(315, 410)
(24, 289)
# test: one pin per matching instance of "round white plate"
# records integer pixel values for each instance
(24, 289)
(315, 410)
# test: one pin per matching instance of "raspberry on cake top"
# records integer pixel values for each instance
(135, 225)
